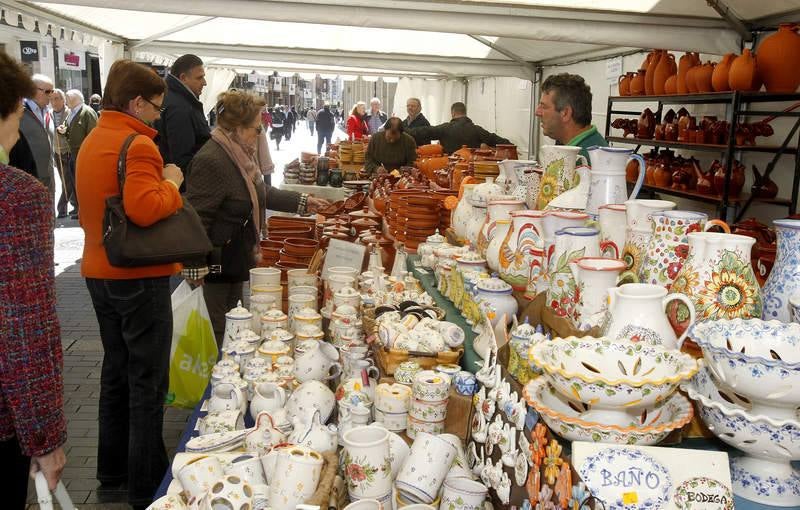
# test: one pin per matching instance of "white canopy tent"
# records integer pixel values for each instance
(492, 47)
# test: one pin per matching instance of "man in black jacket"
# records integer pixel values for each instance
(325, 126)
(415, 118)
(458, 132)
(183, 127)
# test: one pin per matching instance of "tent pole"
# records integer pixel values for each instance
(533, 138)
(730, 17)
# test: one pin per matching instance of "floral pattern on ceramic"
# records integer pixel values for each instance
(718, 278)
(516, 255)
(416, 426)
(463, 494)
(564, 417)
(217, 422)
(593, 277)
(406, 372)
(612, 229)
(572, 243)
(264, 436)
(426, 468)
(559, 174)
(651, 494)
(669, 245)
(764, 474)
(610, 375)
(639, 231)
(430, 386)
(301, 469)
(784, 280)
(428, 411)
(704, 485)
(465, 383)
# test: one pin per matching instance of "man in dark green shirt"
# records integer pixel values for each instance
(565, 112)
(390, 149)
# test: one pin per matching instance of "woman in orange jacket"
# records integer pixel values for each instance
(132, 304)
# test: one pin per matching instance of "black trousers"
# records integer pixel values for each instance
(14, 470)
(135, 318)
(321, 137)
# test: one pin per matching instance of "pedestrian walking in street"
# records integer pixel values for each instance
(325, 126)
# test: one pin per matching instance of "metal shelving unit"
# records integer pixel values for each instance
(730, 208)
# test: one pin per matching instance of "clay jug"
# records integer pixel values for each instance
(624, 83)
(671, 85)
(778, 58)
(651, 72)
(647, 60)
(691, 86)
(663, 71)
(702, 77)
(637, 83)
(719, 80)
(687, 61)
(744, 73)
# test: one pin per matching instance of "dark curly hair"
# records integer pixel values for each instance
(16, 84)
(571, 90)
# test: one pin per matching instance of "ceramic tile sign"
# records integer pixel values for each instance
(648, 478)
(343, 254)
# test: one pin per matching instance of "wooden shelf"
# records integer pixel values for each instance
(713, 199)
(703, 147)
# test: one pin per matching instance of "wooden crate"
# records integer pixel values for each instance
(389, 360)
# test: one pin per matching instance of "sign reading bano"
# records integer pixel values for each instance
(631, 477)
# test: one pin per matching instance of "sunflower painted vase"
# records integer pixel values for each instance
(559, 174)
(638, 234)
(718, 278)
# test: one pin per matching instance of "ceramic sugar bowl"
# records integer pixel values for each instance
(236, 319)
(271, 350)
(272, 320)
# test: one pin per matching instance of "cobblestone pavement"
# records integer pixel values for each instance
(83, 353)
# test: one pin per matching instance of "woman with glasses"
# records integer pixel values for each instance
(132, 304)
(226, 188)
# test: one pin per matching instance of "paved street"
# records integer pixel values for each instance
(83, 352)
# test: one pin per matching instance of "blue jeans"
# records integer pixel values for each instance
(311, 126)
(320, 138)
(135, 318)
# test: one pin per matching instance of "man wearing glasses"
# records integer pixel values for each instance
(34, 152)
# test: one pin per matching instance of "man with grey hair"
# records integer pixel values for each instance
(415, 118)
(58, 103)
(80, 122)
(36, 132)
(375, 118)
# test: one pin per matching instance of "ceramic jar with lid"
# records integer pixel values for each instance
(272, 320)
(307, 316)
(346, 296)
(471, 261)
(271, 350)
(236, 319)
(309, 332)
(239, 351)
(496, 299)
(426, 249)
(249, 336)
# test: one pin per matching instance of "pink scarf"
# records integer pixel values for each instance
(246, 161)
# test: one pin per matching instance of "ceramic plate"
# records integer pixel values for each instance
(627, 479)
(520, 469)
(217, 442)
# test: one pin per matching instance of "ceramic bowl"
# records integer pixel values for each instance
(611, 376)
(646, 427)
(756, 359)
(764, 474)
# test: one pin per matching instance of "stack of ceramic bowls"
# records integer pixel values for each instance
(428, 408)
(748, 395)
(621, 392)
(391, 406)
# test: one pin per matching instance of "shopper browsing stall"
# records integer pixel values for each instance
(458, 132)
(356, 125)
(390, 149)
(565, 112)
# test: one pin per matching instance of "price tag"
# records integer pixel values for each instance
(343, 254)
(630, 498)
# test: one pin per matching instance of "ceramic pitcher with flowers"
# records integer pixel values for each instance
(572, 243)
(559, 163)
(669, 245)
(718, 278)
(515, 255)
(784, 280)
(593, 277)
(638, 233)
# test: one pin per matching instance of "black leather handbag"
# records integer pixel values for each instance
(177, 238)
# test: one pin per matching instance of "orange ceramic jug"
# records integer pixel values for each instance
(719, 80)
(687, 61)
(666, 68)
(744, 73)
(624, 84)
(691, 85)
(637, 83)
(647, 60)
(779, 59)
(671, 85)
(651, 72)
(702, 77)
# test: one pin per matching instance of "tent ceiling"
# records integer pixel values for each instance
(434, 35)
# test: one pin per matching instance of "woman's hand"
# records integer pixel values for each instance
(173, 173)
(314, 204)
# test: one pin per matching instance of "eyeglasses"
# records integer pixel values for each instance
(156, 106)
(47, 92)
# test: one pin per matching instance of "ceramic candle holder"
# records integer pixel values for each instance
(430, 386)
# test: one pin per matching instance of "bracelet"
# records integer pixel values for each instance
(301, 208)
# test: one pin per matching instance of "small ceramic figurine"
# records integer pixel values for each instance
(509, 445)
(504, 489)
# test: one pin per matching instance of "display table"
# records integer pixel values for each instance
(470, 361)
(327, 192)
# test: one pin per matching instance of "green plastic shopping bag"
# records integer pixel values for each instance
(194, 349)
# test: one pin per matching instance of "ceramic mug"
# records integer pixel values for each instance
(463, 494)
(198, 475)
(425, 469)
(248, 468)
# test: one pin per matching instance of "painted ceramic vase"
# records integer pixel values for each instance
(669, 244)
(500, 230)
(572, 243)
(559, 163)
(718, 278)
(498, 209)
(552, 223)
(784, 280)
(593, 277)
(515, 255)
(639, 231)
(367, 462)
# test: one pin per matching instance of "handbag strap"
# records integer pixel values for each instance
(122, 161)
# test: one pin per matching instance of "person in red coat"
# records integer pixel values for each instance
(33, 428)
(356, 125)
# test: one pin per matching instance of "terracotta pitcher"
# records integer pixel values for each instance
(778, 58)
(702, 77)
(691, 85)
(671, 85)
(719, 80)
(624, 84)
(744, 73)
(666, 68)
(687, 61)
(651, 72)
(637, 83)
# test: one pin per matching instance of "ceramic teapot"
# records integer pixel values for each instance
(268, 397)
(312, 433)
(273, 319)
(314, 361)
(608, 184)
